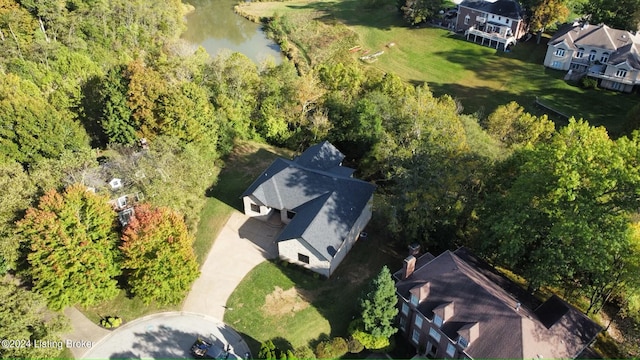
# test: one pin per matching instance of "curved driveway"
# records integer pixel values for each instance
(242, 244)
(165, 336)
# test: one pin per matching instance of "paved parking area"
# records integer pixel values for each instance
(165, 336)
(242, 244)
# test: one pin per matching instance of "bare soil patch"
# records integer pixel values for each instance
(286, 302)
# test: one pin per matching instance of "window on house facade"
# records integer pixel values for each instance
(255, 208)
(303, 258)
(580, 53)
(592, 55)
(493, 16)
(499, 17)
(621, 73)
(508, 20)
(451, 350)
(403, 323)
(414, 300)
(616, 86)
(415, 336)
(463, 342)
(418, 321)
(437, 320)
(556, 64)
(435, 334)
(559, 52)
(604, 58)
(466, 19)
(405, 308)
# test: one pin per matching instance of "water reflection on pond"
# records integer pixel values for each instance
(214, 26)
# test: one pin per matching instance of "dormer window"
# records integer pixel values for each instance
(437, 320)
(414, 300)
(604, 58)
(463, 342)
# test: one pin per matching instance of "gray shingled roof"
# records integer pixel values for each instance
(506, 8)
(504, 332)
(326, 199)
(623, 45)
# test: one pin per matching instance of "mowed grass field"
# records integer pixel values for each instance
(481, 78)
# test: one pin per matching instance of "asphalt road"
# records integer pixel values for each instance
(165, 336)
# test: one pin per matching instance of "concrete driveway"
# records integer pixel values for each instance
(165, 336)
(242, 244)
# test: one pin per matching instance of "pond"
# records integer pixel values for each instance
(214, 26)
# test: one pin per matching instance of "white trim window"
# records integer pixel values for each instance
(556, 64)
(418, 321)
(580, 53)
(616, 86)
(415, 336)
(559, 52)
(621, 73)
(467, 19)
(405, 308)
(451, 350)
(435, 334)
(604, 58)
(592, 55)
(437, 320)
(414, 300)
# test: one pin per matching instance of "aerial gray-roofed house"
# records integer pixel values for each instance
(324, 208)
(457, 306)
(495, 23)
(609, 55)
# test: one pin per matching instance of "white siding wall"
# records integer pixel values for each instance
(352, 237)
(290, 249)
(264, 210)
(551, 57)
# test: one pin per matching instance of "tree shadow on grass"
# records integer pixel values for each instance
(355, 12)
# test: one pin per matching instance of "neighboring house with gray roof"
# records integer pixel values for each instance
(457, 306)
(323, 207)
(495, 23)
(609, 55)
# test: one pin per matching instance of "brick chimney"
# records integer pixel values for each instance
(408, 266)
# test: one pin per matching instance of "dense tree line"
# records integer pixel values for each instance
(83, 82)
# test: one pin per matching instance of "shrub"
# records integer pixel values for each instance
(304, 352)
(332, 348)
(355, 346)
(111, 322)
(588, 83)
(356, 329)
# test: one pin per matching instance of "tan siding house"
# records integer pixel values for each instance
(609, 55)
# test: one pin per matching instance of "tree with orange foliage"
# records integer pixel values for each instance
(159, 261)
(71, 247)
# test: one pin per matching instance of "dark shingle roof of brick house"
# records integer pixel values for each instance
(506, 8)
(506, 330)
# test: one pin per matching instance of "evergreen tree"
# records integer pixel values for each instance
(378, 305)
(71, 247)
(158, 255)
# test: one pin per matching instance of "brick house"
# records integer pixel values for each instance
(456, 306)
(323, 207)
(603, 53)
(498, 23)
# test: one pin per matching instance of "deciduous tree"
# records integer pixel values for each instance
(561, 214)
(71, 247)
(159, 261)
(511, 125)
(24, 317)
(619, 14)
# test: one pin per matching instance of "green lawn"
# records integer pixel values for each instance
(480, 77)
(295, 308)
